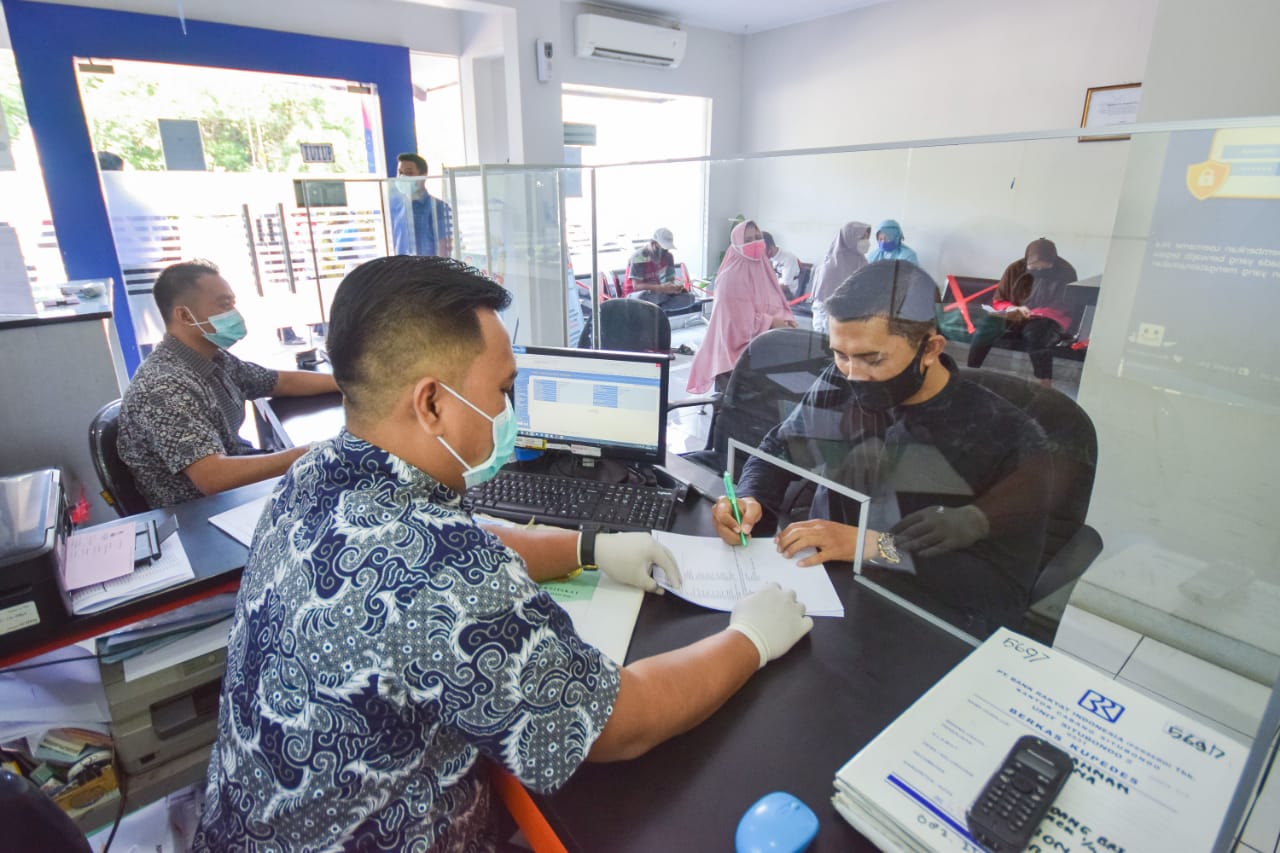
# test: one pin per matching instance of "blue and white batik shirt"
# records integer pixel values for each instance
(382, 645)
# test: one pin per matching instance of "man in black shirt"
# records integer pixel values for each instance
(957, 476)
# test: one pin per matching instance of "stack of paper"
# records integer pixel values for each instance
(1146, 777)
(716, 575)
(170, 568)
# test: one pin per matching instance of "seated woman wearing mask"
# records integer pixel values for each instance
(749, 302)
(954, 472)
(889, 245)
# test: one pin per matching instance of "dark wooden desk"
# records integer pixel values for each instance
(790, 729)
(216, 559)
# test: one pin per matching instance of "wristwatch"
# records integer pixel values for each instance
(587, 547)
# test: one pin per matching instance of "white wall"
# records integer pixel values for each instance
(926, 69)
(1191, 474)
(922, 69)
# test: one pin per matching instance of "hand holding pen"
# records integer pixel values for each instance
(734, 517)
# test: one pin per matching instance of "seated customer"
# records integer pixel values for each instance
(181, 415)
(957, 476)
(786, 266)
(749, 302)
(1033, 292)
(651, 274)
(386, 651)
(889, 245)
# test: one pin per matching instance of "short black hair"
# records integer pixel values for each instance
(899, 291)
(178, 280)
(394, 316)
(768, 240)
(415, 159)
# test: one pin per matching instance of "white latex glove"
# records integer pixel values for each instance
(627, 558)
(771, 618)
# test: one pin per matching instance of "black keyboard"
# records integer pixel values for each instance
(572, 502)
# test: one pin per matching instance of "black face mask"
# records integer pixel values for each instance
(872, 396)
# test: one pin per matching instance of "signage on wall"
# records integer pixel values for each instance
(317, 152)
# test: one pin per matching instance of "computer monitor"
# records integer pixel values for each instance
(592, 403)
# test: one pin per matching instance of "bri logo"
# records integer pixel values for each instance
(1100, 706)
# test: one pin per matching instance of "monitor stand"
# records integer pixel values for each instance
(587, 468)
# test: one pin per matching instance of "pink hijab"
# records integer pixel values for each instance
(843, 260)
(748, 299)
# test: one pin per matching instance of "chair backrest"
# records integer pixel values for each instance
(633, 325)
(118, 487)
(1073, 447)
(40, 824)
(768, 381)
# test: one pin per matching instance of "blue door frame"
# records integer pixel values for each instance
(47, 37)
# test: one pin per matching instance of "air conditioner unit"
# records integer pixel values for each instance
(602, 37)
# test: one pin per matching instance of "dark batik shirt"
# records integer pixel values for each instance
(181, 407)
(383, 647)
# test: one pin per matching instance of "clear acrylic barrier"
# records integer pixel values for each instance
(1186, 477)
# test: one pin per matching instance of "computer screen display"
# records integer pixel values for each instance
(592, 402)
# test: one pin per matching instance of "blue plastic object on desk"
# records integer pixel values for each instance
(524, 454)
(777, 823)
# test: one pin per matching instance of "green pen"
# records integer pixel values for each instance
(733, 502)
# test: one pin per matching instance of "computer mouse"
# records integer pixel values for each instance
(777, 823)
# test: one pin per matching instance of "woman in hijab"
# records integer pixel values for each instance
(1032, 293)
(889, 245)
(843, 259)
(749, 302)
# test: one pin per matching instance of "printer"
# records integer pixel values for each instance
(34, 524)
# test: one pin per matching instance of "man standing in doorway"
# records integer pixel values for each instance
(429, 231)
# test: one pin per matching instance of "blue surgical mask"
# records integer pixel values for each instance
(889, 245)
(504, 442)
(228, 328)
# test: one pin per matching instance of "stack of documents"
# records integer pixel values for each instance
(716, 575)
(172, 567)
(1146, 777)
(179, 635)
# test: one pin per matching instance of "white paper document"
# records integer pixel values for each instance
(1146, 777)
(172, 567)
(239, 523)
(716, 575)
(98, 554)
(63, 687)
(603, 611)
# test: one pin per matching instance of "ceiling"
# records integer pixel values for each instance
(737, 16)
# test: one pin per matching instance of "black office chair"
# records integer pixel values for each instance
(1070, 544)
(769, 380)
(118, 487)
(633, 325)
(35, 824)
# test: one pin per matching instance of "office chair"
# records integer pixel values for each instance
(118, 487)
(769, 380)
(1070, 544)
(34, 822)
(633, 325)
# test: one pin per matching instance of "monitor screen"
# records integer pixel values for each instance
(592, 402)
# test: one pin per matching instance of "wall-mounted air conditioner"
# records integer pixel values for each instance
(601, 37)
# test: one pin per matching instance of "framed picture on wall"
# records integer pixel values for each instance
(1108, 108)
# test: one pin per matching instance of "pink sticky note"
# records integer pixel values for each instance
(99, 554)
